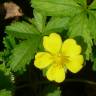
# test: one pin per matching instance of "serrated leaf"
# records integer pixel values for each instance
(23, 53)
(93, 5)
(39, 20)
(22, 30)
(57, 24)
(79, 30)
(57, 7)
(5, 92)
(9, 42)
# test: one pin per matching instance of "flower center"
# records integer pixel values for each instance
(60, 60)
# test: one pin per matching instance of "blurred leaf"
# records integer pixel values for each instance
(79, 28)
(39, 20)
(94, 64)
(4, 92)
(51, 90)
(57, 24)
(81, 2)
(57, 7)
(23, 53)
(22, 30)
(94, 58)
(5, 80)
(1, 56)
(93, 5)
(4, 69)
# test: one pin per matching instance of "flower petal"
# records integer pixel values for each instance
(56, 73)
(75, 63)
(42, 60)
(52, 43)
(70, 48)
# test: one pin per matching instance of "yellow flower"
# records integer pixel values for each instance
(58, 57)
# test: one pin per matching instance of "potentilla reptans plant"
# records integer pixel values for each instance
(49, 47)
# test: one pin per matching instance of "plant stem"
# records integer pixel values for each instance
(81, 81)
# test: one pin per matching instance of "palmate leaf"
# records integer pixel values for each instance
(23, 53)
(79, 30)
(5, 92)
(22, 30)
(57, 7)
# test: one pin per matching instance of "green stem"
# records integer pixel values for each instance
(81, 81)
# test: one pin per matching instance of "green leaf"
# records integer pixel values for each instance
(79, 30)
(94, 65)
(51, 90)
(4, 69)
(57, 7)
(92, 24)
(57, 24)
(93, 59)
(5, 92)
(9, 42)
(5, 78)
(1, 56)
(39, 20)
(23, 53)
(93, 5)
(81, 2)
(22, 30)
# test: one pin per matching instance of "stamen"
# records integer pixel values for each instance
(60, 60)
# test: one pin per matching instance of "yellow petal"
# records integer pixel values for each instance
(56, 73)
(70, 47)
(42, 60)
(75, 64)
(52, 43)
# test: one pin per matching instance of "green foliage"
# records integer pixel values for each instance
(5, 78)
(81, 2)
(57, 24)
(51, 90)
(22, 30)
(94, 58)
(81, 22)
(23, 53)
(56, 8)
(79, 28)
(1, 55)
(70, 18)
(9, 42)
(4, 92)
(93, 5)
(39, 21)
